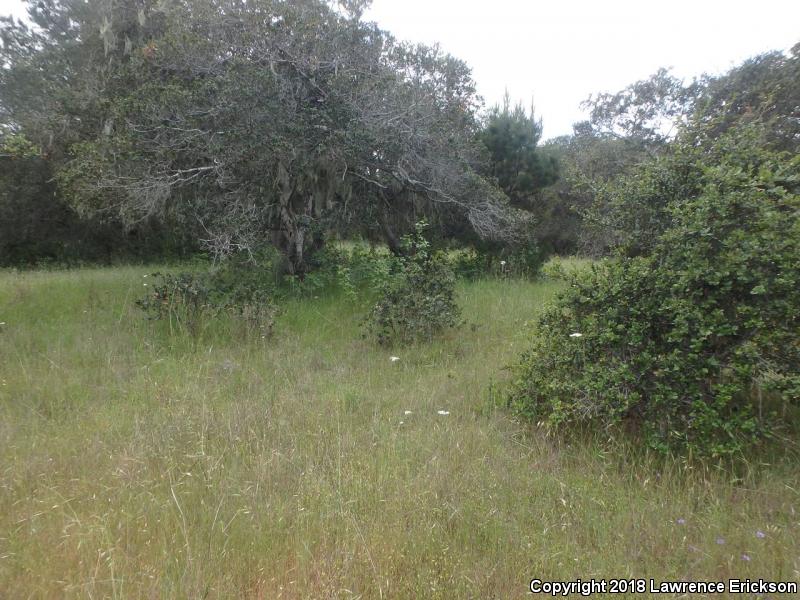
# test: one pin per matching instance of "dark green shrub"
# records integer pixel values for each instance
(367, 267)
(183, 299)
(354, 269)
(417, 300)
(697, 343)
(191, 301)
(468, 263)
(240, 279)
(523, 259)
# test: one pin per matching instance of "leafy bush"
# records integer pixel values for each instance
(561, 268)
(509, 260)
(352, 269)
(695, 343)
(182, 299)
(190, 301)
(522, 260)
(468, 263)
(417, 300)
(630, 212)
(367, 267)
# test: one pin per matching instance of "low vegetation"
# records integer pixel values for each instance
(140, 462)
(416, 300)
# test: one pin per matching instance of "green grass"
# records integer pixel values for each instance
(138, 464)
(561, 267)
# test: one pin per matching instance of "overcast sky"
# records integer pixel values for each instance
(560, 51)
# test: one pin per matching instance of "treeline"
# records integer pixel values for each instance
(227, 126)
(600, 202)
(38, 227)
(143, 130)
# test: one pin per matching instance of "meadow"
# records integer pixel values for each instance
(139, 463)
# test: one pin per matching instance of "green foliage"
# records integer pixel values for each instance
(191, 301)
(572, 216)
(355, 270)
(520, 256)
(468, 263)
(314, 120)
(559, 268)
(511, 136)
(417, 301)
(645, 111)
(365, 268)
(697, 341)
(629, 212)
(515, 260)
(637, 206)
(93, 409)
(522, 260)
(182, 299)
(17, 146)
(32, 220)
(37, 225)
(620, 169)
(765, 88)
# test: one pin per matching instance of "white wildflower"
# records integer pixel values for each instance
(443, 412)
(502, 263)
(408, 412)
(576, 335)
(394, 358)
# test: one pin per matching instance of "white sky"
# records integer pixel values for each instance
(560, 51)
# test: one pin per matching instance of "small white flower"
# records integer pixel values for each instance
(502, 263)
(443, 412)
(394, 358)
(575, 335)
(144, 275)
(2, 323)
(401, 422)
(408, 412)
(144, 284)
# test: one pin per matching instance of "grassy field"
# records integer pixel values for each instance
(135, 464)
